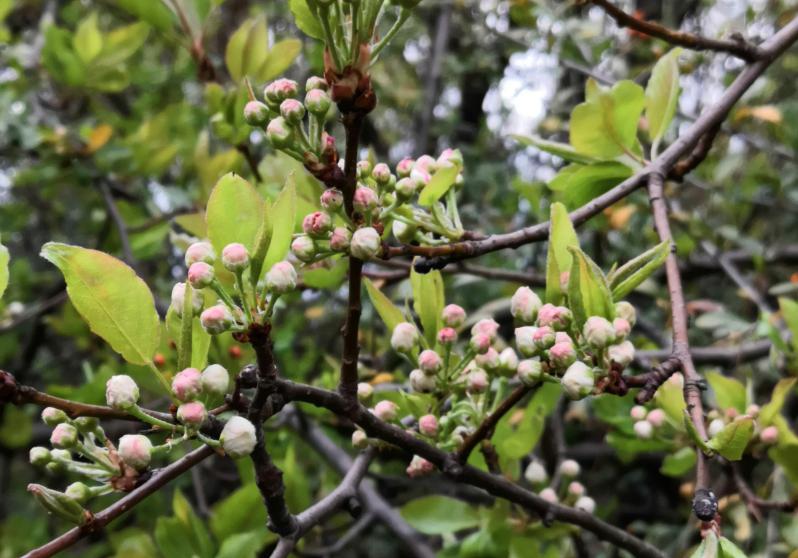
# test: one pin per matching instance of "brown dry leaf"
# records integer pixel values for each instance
(765, 113)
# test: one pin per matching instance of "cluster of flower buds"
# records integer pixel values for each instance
(647, 422)
(190, 387)
(252, 300)
(567, 490)
(768, 435)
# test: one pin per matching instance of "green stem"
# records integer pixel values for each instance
(243, 293)
(324, 18)
(467, 357)
(270, 306)
(186, 324)
(208, 441)
(375, 51)
(87, 453)
(222, 294)
(451, 206)
(137, 412)
(353, 46)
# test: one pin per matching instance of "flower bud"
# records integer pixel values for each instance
(447, 336)
(769, 435)
(340, 239)
(200, 275)
(363, 169)
(279, 133)
(135, 450)
(638, 412)
(293, 111)
(235, 257)
(479, 343)
(570, 468)
(586, 504)
(715, 427)
(381, 173)
(315, 82)
(332, 199)
(317, 224)
(420, 177)
(543, 338)
(449, 157)
(524, 305)
(187, 384)
(562, 355)
(200, 252)
(419, 467)
(238, 437)
(656, 417)
(39, 456)
(404, 337)
(453, 315)
(753, 410)
(562, 337)
(192, 414)
(578, 380)
(59, 504)
(404, 167)
(403, 232)
(256, 113)
(622, 353)
(364, 391)
(430, 362)
(386, 410)
(318, 102)
(508, 360)
(52, 416)
(488, 327)
(304, 248)
(556, 317)
(359, 439)
(78, 491)
(576, 488)
(477, 381)
(216, 319)
(535, 473)
(364, 200)
(622, 328)
(179, 296)
(215, 379)
(549, 495)
(530, 371)
(281, 278)
(405, 188)
(524, 340)
(420, 382)
(598, 332)
(121, 392)
(365, 244)
(626, 311)
(280, 90)
(428, 425)
(489, 360)
(643, 429)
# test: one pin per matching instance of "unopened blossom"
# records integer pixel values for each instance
(562, 355)
(486, 327)
(52, 416)
(598, 332)
(340, 239)
(656, 417)
(524, 340)
(524, 305)
(304, 248)
(429, 361)
(638, 412)
(318, 102)
(39, 456)
(179, 296)
(360, 439)
(200, 252)
(192, 413)
(404, 167)
(187, 384)
(235, 257)
(549, 495)
(381, 173)
(555, 317)
(769, 435)
(366, 243)
(293, 111)
(364, 391)
(576, 488)
(428, 425)
(64, 435)
(404, 337)
(626, 311)
(622, 328)
(215, 379)
(480, 343)
(453, 315)
(419, 467)
(477, 381)
(578, 381)
(121, 392)
(200, 275)
(643, 429)
(386, 410)
(332, 199)
(543, 338)
(535, 473)
(586, 504)
(135, 450)
(530, 371)
(421, 382)
(216, 319)
(256, 113)
(508, 360)
(447, 336)
(715, 426)
(364, 200)
(317, 224)
(569, 468)
(489, 360)
(623, 353)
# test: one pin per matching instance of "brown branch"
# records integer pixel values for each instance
(650, 382)
(697, 156)
(754, 503)
(737, 47)
(725, 356)
(153, 484)
(249, 157)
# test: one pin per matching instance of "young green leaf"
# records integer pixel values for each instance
(561, 236)
(326, 278)
(677, 464)
(695, 436)
(437, 515)
(3, 269)
(729, 393)
(670, 398)
(234, 213)
(389, 313)
(441, 181)
(200, 339)
(283, 218)
(114, 301)
(789, 311)
(662, 94)
(773, 408)
(280, 57)
(708, 548)
(88, 41)
(561, 150)
(627, 277)
(729, 550)
(588, 292)
(428, 302)
(733, 439)
(247, 49)
(581, 183)
(305, 20)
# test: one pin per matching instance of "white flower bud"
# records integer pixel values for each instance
(281, 278)
(215, 379)
(359, 439)
(477, 381)
(403, 232)
(364, 391)
(430, 362)
(643, 429)
(586, 504)
(179, 296)
(404, 337)
(626, 311)
(524, 305)
(421, 382)
(535, 473)
(238, 437)
(524, 340)
(508, 360)
(340, 239)
(200, 275)
(64, 435)
(578, 381)
(576, 488)
(187, 384)
(192, 414)
(486, 327)
(489, 360)
(78, 491)
(135, 450)
(622, 353)
(419, 467)
(304, 248)
(200, 252)
(656, 417)
(121, 392)
(366, 243)
(598, 332)
(386, 410)
(638, 412)
(256, 113)
(216, 319)
(715, 427)
(570, 468)
(52, 416)
(549, 495)
(39, 456)
(453, 315)
(428, 425)
(769, 435)
(530, 371)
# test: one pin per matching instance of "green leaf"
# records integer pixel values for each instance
(16, 428)
(326, 278)
(729, 550)
(389, 313)
(122, 43)
(88, 41)
(245, 545)
(733, 439)
(627, 277)
(114, 301)
(516, 442)
(200, 339)
(588, 292)
(200, 539)
(153, 12)
(280, 57)
(438, 515)
(561, 150)
(786, 456)
(708, 548)
(789, 311)
(172, 538)
(247, 49)
(234, 213)
(561, 237)
(581, 183)
(283, 219)
(768, 412)
(606, 126)
(694, 435)
(439, 184)
(240, 512)
(670, 398)
(677, 464)
(428, 301)
(4, 258)
(662, 94)
(305, 20)
(729, 393)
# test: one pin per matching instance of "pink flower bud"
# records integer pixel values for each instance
(428, 425)
(576, 488)
(622, 328)
(365, 244)
(622, 353)
(235, 257)
(318, 102)
(715, 426)
(121, 392)
(562, 355)
(556, 317)
(317, 224)
(530, 371)
(425, 163)
(626, 311)
(281, 89)
(488, 327)
(179, 296)
(238, 437)
(405, 188)
(340, 239)
(656, 417)
(187, 384)
(381, 173)
(447, 336)
(524, 305)
(477, 381)
(419, 467)
(293, 111)
(281, 278)
(363, 169)
(578, 381)
(404, 167)
(586, 504)
(638, 412)
(598, 332)
(549, 495)
(316, 82)
(453, 315)
(386, 410)
(256, 113)
(192, 413)
(430, 362)
(643, 429)
(364, 391)
(543, 338)
(215, 379)
(480, 343)
(404, 337)
(421, 177)
(562, 337)
(508, 360)
(359, 439)
(752, 410)
(279, 133)
(200, 275)
(449, 157)
(135, 451)
(364, 200)
(769, 435)
(216, 319)
(524, 340)
(64, 435)
(570, 468)
(489, 360)
(304, 248)
(535, 473)
(732, 413)
(200, 252)
(52, 416)
(421, 382)
(332, 199)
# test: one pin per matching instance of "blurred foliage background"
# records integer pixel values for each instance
(117, 115)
